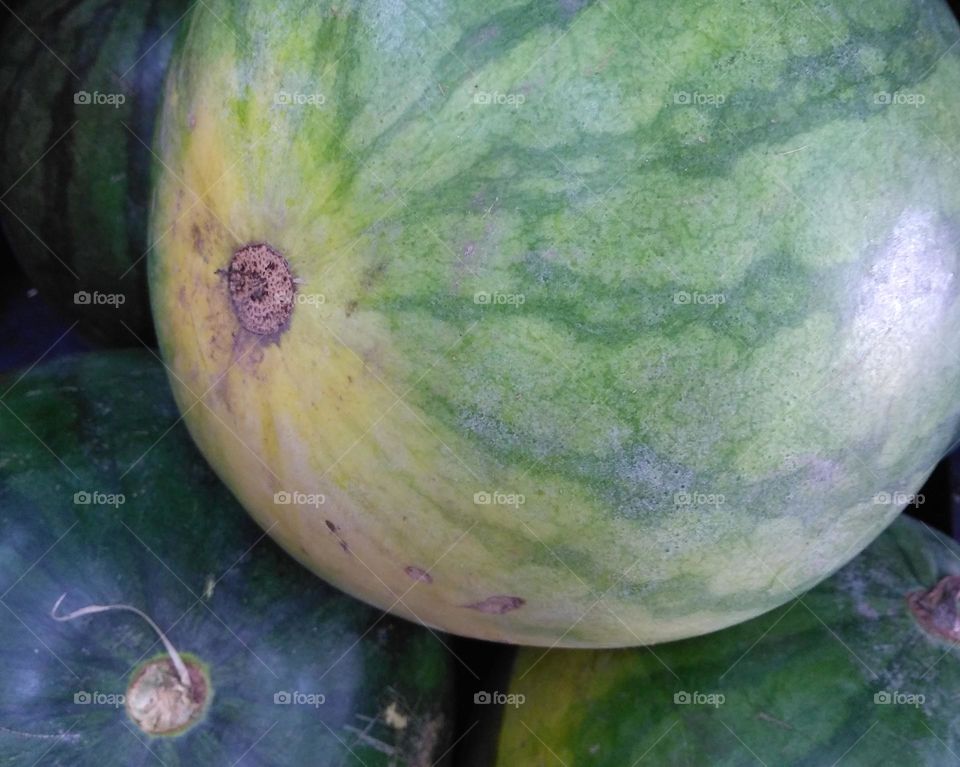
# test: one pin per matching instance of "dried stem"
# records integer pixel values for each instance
(178, 663)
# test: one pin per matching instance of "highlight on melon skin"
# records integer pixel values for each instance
(624, 324)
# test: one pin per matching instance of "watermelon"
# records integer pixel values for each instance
(81, 83)
(105, 501)
(590, 323)
(862, 670)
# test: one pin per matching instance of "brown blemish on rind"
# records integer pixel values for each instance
(159, 704)
(936, 610)
(373, 275)
(418, 574)
(262, 289)
(247, 352)
(336, 531)
(251, 358)
(498, 605)
(197, 236)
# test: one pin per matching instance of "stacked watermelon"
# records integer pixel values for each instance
(581, 325)
(105, 501)
(862, 670)
(646, 368)
(80, 81)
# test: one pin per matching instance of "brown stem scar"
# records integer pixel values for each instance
(159, 704)
(262, 288)
(168, 694)
(936, 610)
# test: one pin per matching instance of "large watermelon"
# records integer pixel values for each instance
(80, 81)
(590, 324)
(104, 499)
(863, 670)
